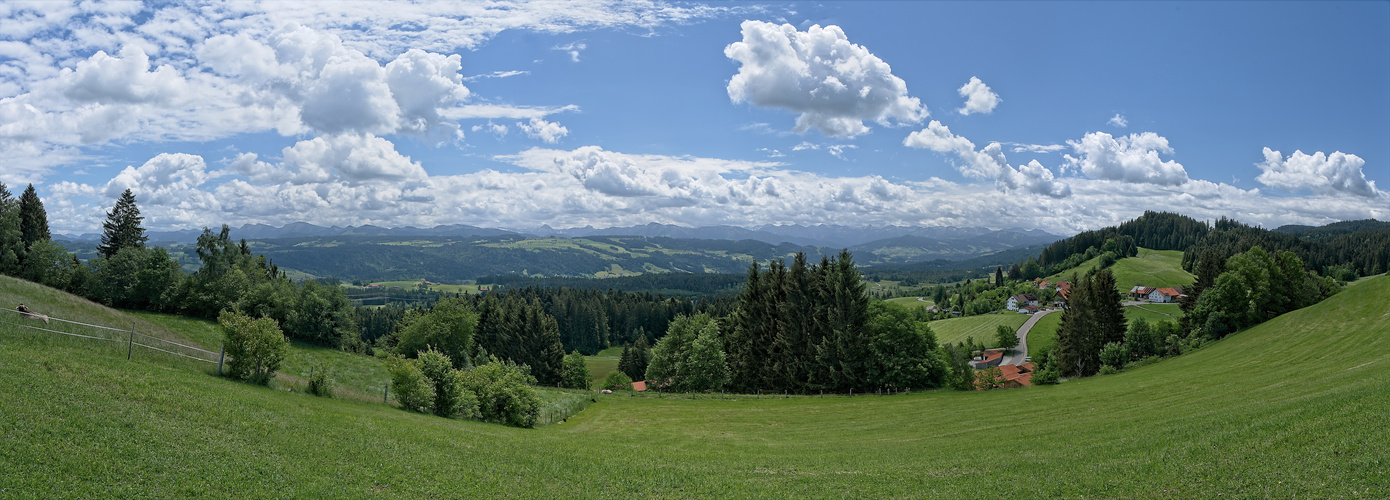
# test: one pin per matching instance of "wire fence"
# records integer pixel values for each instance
(129, 336)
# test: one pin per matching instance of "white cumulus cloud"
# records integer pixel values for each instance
(979, 99)
(1334, 173)
(1118, 121)
(1133, 158)
(989, 162)
(548, 132)
(833, 85)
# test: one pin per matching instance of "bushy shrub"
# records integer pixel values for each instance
(504, 393)
(1108, 370)
(255, 347)
(320, 384)
(1047, 372)
(1114, 354)
(617, 381)
(574, 374)
(451, 397)
(413, 391)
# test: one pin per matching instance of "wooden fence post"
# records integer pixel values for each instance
(130, 347)
(221, 357)
(384, 391)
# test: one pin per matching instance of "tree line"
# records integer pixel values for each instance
(1335, 252)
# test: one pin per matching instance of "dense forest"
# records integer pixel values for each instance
(1345, 255)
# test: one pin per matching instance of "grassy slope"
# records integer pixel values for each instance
(1155, 268)
(1293, 408)
(1044, 333)
(909, 302)
(605, 362)
(982, 327)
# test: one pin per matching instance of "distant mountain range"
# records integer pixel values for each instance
(469, 251)
(890, 243)
(829, 236)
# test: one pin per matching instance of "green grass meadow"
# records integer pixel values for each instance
(1044, 333)
(1152, 268)
(910, 302)
(1293, 408)
(603, 363)
(981, 327)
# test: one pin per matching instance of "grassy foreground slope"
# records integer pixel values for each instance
(1292, 408)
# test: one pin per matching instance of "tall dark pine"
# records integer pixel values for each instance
(11, 243)
(1094, 317)
(122, 227)
(33, 220)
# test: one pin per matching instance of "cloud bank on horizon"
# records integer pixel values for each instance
(358, 113)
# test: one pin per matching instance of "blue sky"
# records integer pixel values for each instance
(1057, 116)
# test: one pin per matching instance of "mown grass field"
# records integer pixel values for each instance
(1153, 268)
(1043, 335)
(1292, 408)
(982, 327)
(603, 363)
(910, 302)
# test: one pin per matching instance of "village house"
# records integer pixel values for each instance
(1166, 295)
(989, 359)
(1140, 292)
(1014, 375)
(1022, 300)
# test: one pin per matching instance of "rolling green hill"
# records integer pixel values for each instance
(1292, 408)
(1152, 268)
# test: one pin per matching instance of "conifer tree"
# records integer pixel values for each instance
(33, 220)
(12, 248)
(122, 227)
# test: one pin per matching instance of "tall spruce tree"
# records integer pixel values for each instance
(12, 249)
(1093, 318)
(122, 227)
(33, 220)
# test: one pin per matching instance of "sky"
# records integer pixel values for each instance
(1038, 115)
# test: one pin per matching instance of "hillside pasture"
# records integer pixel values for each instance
(911, 302)
(1152, 268)
(981, 327)
(1290, 408)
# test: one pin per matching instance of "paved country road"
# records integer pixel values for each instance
(1021, 352)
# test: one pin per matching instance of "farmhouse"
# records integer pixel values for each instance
(1140, 292)
(1166, 295)
(1017, 375)
(989, 359)
(1022, 300)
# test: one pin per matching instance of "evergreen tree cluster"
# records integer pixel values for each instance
(519, 330)
(635, 359)
(1093, 318)
(593, 320)
(808, 328)
(1363, 253)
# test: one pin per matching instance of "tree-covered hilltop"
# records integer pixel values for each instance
(1345, 255)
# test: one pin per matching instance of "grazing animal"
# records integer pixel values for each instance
(24, 311)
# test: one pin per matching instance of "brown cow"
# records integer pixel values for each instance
(24, 311)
